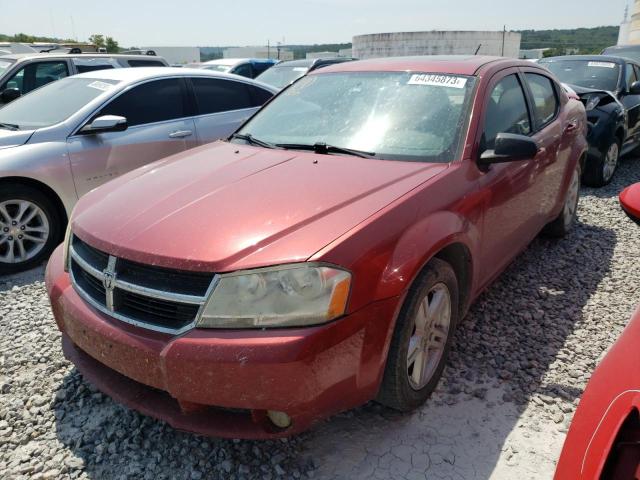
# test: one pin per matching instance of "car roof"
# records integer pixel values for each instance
(450, 64)
(130, 75)
(587, 58)
(22, 56)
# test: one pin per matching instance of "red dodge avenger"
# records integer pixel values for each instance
(323, 255)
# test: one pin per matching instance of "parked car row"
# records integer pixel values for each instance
(22, 73)
(318, 258)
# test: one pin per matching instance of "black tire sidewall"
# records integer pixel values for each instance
(399, 394)
(20, 192)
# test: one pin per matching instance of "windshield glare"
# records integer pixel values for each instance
(599, 75)
(397, 115)
(54, 102)
(280, 77)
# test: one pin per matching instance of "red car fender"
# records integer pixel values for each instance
(630, 201)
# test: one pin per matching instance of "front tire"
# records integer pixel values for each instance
(599, 173)
(422, 338)
(563, 224)
(30, 228)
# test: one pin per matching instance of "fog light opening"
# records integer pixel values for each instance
(279, 419)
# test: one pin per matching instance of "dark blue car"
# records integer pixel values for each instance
(609, 87)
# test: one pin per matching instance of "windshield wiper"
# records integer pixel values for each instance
(324, 149)
(9, 126)
(252, 140)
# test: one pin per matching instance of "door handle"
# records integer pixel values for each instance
(180, 134)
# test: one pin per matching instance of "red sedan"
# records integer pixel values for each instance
(322, 256)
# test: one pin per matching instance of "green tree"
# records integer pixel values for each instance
(112, 45)
(97, 40)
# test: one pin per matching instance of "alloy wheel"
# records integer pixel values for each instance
(428, 340)
(24, 230)
(610, 162)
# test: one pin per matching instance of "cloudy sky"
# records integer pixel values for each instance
(253, 22)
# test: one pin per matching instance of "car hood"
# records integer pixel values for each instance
(14, 138)
(224, 207)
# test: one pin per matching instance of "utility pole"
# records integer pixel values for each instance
(504, 33)
(268, 49)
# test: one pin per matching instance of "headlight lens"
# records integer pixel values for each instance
(65, 247)
(292, 295)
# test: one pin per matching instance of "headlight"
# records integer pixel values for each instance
(65, 247)
(291, 295)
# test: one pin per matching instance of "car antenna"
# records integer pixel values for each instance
(478, 49)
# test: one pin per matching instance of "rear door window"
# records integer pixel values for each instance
(151, 102)
(145, 63)
(545, 102)
(506, 111)
(259, 96)
(84, 65)
(214, 95)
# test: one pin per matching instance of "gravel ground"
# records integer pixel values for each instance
(522, 358)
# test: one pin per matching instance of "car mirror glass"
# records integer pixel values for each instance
(10, 94)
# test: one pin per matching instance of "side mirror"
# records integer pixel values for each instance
(10, 94)
(634, 89)
(509, 147)
(105, 124)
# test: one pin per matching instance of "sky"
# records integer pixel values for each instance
(254, 22)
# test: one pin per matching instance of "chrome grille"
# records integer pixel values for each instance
(147, 296)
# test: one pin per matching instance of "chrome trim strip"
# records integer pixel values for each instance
(159, 294)
(86, 266)
(137, 289)
(124, 318)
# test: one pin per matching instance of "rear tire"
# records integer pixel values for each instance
(599, 173)
(30, 228)
(563, 224)
(422, 338)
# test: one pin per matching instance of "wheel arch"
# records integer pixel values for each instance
(46, 190)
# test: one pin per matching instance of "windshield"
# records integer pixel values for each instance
(54, 102)
(280, 77)
(599, 75)
(628, 52)
(396, 115)
(218, 68)
(4, 65)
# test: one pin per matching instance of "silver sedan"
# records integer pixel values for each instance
(70, 136)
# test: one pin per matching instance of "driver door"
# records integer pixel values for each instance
(160, 124)
(512, 206)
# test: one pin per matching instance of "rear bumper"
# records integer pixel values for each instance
(191, 381)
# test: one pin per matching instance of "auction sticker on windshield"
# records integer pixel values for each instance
(602, 64)
(437, 80)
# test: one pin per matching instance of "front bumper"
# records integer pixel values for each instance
(222, 382)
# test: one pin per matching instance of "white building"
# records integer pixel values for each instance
(399, 44)
(625, 26)
(177, 55)
(275, 52)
